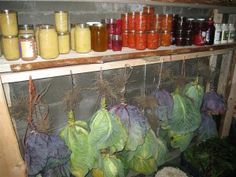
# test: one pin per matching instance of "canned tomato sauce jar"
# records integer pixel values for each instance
(140, 40)
(152, 39)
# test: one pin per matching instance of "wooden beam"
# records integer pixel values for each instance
(227, 119)
(212, 66)
(11, 162)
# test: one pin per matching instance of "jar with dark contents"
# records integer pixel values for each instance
(111, 26)
(116, 43)
(124, 18)
(125, 38)
(140, 21)
(99, 37)
(131, 37)
(174, 28)
(200, 30)
(181, 23)
(131, 21)
(210, 33)
(140, 40)
(189, 24)
(180, 41)
(188, 37)
(152, 39)
(165, 38)
(166, 22)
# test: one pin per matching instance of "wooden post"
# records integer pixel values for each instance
(227, 119)
(11, 162)
(212, 66)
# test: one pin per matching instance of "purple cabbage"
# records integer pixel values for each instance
(165, 104)
(134, 122)
(46, 154)
(213, 103)
(207, 128)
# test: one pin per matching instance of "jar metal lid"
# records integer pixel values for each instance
(26, 35)
(93, 23)
(26, 26)
(82, 25)
(200, 19)
(63, 34)
(125, 14)
(60, 11)
(10, 37)
(6, 11)
(125, 31)
(116, 37)
(111, 21)
(131, 31)
(190, 19)
(46, 26)
(225, 25)
(140, 32)
(99, 25)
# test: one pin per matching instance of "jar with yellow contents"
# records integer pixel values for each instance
(64, 43)
(26, 28)
(82, 38)
(27, 46)
(8, 23)
(10, 47)
(72, 37)
(48, 42)
(61, 21)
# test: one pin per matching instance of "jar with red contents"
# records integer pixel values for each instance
(140, 40)
(118, 28)
(149, 9)
(166, 21)
(131, 21)
(116, 43)
(125, 38)
(124, 19)
(152, 39)
(151, 22)
(157, 24)
(140, 21)
(165, 38)
(200, 32)
(131, 39)
(110, 41)
(111, 26)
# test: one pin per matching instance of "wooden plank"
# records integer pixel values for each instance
(224, 73)
(11, 162)
(227, 119)
(115, 56)
(212, 66)
(62, 71)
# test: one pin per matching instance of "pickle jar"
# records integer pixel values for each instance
(8, 23)
(61, 21)
(48, 42)
(82, 38)
(64, 43)
(165, 39)
(72, 37)
(140, 40)
(10, 47)
(99, 37)
(26, 28)
(27, 45)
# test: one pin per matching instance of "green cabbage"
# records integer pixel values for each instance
(75, 135)
(162, 151)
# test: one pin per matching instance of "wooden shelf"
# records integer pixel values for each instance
(74, 58)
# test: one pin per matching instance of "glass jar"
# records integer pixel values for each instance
(116, 43)
(48, 42)
(125, 38)
(189, 24)
(152, 39)
(131, 21)
(111, 26)
(110, 41)
(200, 30)
(231, 37)
(82, 38)
(131, 41)
(218, 33)
(118, 29)
(180, 41)
(166, 21)
(26, 28)
(151, 22)
(225, 33)
(149, 9)
(124, 18)
(99, 37)
(187, 41)
(157, 24)
(165, 38)
(10, 47)
(210, 33)
(140, 40)
(140, 21)
(61, 21)
(8, 23)
(181, 23)
(72, 37)
(64, 43)
(27, 45)
(36, 34)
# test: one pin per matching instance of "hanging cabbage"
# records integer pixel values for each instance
(75, 135)
(180, 141)
(195, 92)
(108, 166)
(134, 122)
(144, 158)
(107, 131)
(164, 105)
(213, 103)
(208, 128)
(185, 117)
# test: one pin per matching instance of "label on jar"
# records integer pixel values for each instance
(217, 36)
(26, 49)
